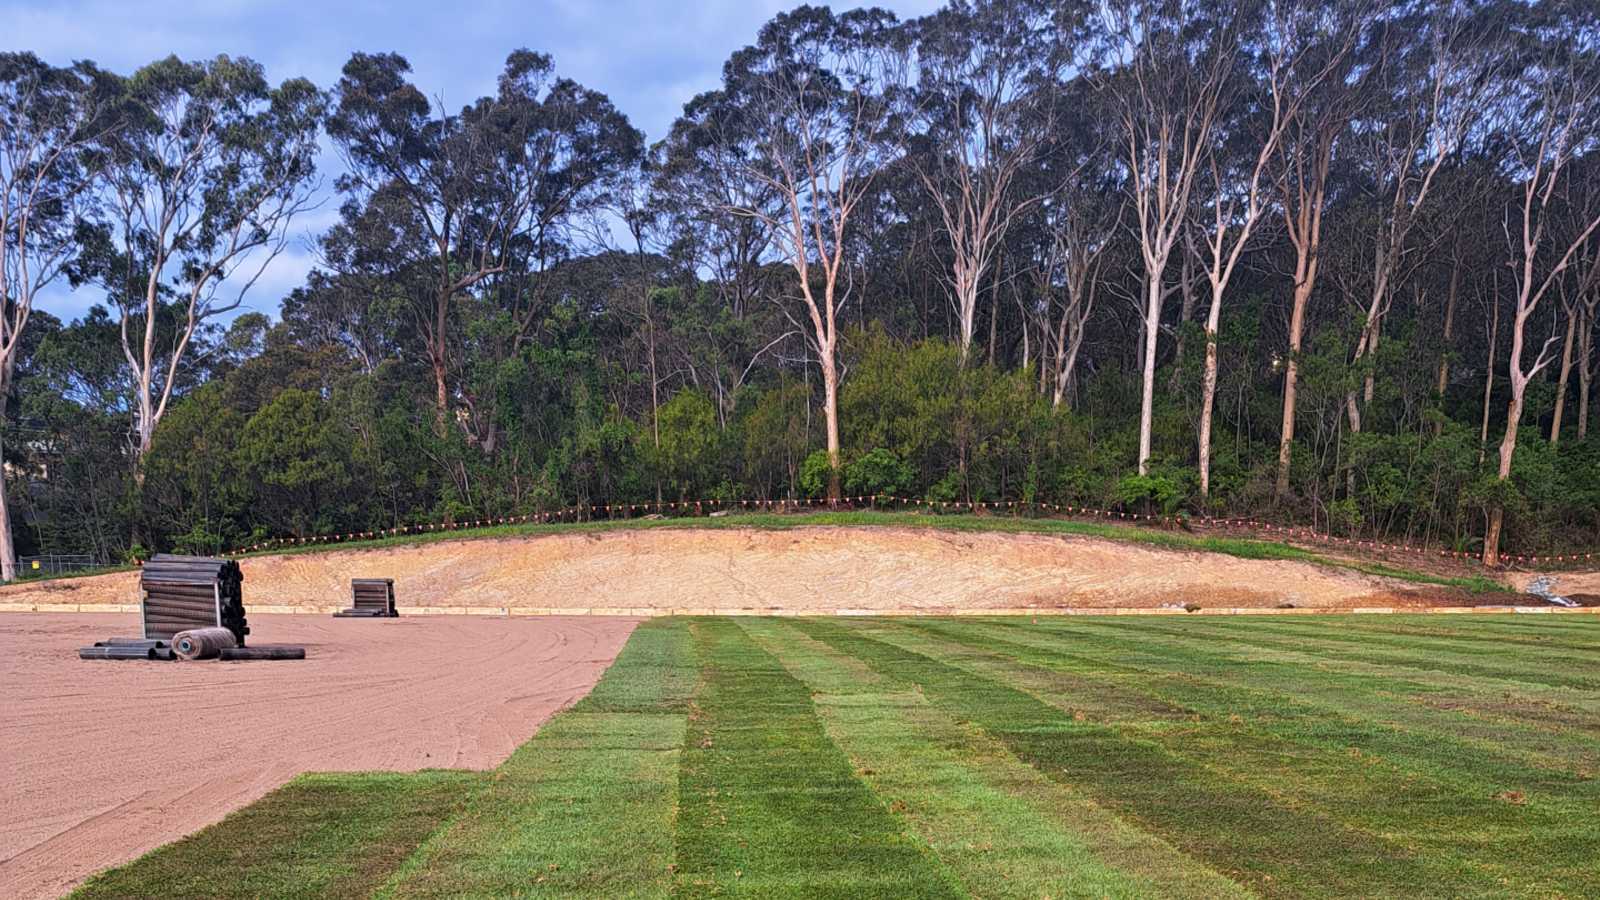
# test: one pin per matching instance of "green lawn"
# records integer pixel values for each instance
(1130, 757)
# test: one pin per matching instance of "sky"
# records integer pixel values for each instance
(648, 56)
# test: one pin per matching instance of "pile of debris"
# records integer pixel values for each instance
(1543, 587)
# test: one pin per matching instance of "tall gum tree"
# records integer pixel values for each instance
(1326, 35)
(456, 200)
(1549, 120)
(1236, 177)
(986, 72)
(812, 93)
(1166, 70)
(1428, 87)
(48, 123)
(203, 173)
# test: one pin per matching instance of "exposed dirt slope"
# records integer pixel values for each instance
(803, 569)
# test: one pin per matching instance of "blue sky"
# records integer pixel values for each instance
(649, 56)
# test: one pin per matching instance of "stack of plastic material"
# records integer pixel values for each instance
(370, 598)
(187, 592)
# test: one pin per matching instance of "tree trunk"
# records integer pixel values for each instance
(441, 396)
(1566, 375)
(1488, 381)
(1508, 446)
(1066, 358)
(967, 308)
(8, 551)
(1444, 350)
(1585, 363)
(1208, 391)
(1291, 371)
(830, 414)
(1152, 328)
(655, 391)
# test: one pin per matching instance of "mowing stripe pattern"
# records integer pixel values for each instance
(986, 757)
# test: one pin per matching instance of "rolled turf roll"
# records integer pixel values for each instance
(241, 654)
(202, 643)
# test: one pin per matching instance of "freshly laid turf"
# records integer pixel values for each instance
(334, 835)
(987, 757)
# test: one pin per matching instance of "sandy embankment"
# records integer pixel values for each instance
(810, 569)
(92, 774)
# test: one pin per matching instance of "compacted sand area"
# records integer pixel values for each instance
(810, 569)
(101, 761)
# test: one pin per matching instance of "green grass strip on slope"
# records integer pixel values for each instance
(585, 808)
(1270, 845)
(768, 806)
(1003, 828)
(1169, 540)
(1419, 786)
(322, 835)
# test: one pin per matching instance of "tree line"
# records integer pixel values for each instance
(1333, 263)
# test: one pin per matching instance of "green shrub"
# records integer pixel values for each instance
(878, 472)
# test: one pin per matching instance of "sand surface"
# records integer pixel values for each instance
(818, 569)
(90, 775)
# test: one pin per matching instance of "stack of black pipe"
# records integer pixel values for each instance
(184, 592)
(127, 648)
(370, 598)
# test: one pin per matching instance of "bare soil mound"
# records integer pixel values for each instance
(808, 569)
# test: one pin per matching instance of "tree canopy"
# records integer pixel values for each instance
(1334, 264)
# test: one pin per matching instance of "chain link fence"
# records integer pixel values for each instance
(53, 564)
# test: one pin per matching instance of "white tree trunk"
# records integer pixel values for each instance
(1208, 389)
(1152, 328)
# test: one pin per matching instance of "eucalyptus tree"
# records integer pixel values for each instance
(479, 199)
(1070, 230)
(987, 72)
(1166, 67)
(819, 126)
(1549, 126)
(1587, 303)
(1433, 73)
(1324, 98)
(703, 189)
(201, 177)
(1236, 172)
(703, 183)
(49, 121)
